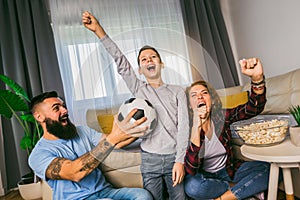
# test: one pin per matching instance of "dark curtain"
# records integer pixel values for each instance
(28, 56)
(205, 24)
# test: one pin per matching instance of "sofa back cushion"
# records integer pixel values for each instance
(283, 91)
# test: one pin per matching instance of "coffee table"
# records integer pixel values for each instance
(284, 155)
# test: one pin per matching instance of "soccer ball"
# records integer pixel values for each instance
(144, 107)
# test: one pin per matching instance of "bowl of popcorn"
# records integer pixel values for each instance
(262, 130)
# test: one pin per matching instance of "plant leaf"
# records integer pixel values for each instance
(14, 86)
(11, 103)
(295, 111)
(28, 118)
(26, 143)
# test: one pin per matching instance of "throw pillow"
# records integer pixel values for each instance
(106, 122)
(231, 101)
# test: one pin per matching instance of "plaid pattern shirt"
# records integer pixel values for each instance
(194, 156)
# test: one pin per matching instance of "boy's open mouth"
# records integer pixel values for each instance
(151, 67)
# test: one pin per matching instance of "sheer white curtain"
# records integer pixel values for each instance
(89, 75)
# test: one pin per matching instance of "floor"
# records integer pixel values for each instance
(14, 195)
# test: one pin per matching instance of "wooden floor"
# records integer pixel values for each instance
(14, 195)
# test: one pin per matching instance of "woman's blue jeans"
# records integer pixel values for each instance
(250, 179)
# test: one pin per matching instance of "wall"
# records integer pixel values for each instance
(268, 29)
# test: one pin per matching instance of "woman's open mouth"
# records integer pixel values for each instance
(201, 104)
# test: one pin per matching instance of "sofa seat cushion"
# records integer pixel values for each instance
(125, 177)
(122, 166)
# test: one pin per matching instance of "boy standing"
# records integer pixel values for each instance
(164, 149)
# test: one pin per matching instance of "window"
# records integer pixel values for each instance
(89, 74)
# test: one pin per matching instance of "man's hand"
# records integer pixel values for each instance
(178, 173)
(124, 130)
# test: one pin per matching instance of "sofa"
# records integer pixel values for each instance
(122, 166)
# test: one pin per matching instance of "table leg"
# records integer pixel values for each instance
(273, 181)
(288, 184)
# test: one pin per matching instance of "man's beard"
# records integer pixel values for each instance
(56, 128)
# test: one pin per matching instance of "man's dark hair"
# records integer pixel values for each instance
(40, 98)
(145, 48)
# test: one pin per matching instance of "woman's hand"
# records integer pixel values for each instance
(252, 67)
(200, 116)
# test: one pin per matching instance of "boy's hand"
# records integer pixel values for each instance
(91, 23)
(178, 173)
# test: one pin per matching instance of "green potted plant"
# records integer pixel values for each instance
(295, 111)
(295, 130)
(14, 103)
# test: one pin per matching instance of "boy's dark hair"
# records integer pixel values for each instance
(145, 48)
(40, 98)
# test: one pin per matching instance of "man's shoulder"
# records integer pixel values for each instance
(82, 128)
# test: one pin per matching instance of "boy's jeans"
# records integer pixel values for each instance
(157, 172)
(251, 178)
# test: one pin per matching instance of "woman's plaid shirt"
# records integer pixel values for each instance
(222, 120)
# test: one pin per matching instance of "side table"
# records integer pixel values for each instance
(284, 155)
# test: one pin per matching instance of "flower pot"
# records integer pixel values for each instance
(30, 191)
(295, 135)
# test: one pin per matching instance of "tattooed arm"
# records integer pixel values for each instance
(62, 168)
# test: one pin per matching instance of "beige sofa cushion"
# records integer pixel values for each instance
(283, 91)
(121, 159)
(122, 166)
(127, 177)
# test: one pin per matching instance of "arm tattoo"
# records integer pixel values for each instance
(102, 150)
(54, 168)
(93, 158)
(89, 161)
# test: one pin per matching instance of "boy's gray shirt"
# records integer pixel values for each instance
(171, 134)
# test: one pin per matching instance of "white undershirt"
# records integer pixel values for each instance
(215, 154)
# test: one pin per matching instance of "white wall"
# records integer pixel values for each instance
(268, 29)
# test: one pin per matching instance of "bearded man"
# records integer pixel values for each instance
(67, 156)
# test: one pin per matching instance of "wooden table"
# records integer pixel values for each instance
(284, 155)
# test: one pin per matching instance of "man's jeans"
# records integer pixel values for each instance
(250, 179)
(121, 194)
(157, 172)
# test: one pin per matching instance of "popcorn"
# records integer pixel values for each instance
(262, 133)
